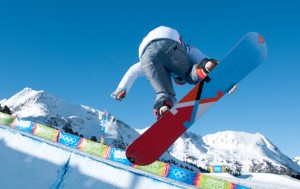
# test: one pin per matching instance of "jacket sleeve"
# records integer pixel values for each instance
(131, 75)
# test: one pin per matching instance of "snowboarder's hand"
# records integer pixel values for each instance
(119, 94)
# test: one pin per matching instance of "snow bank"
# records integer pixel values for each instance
(35, 162)
(90, 148)
(25, 161)
(261, 180)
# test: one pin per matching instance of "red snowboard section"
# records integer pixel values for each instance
(161, 135)
(158, 138)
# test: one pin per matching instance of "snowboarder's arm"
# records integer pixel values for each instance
(128, 80)
(131, 75)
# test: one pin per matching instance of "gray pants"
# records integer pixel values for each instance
(161, 58)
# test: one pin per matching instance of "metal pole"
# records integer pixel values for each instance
(104, 116)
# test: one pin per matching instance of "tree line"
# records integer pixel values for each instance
(5, 109)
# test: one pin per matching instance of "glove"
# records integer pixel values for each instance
(179, 81)
(119, 94)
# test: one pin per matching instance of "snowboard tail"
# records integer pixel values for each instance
(243, 58)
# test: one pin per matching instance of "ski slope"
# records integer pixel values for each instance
(36, 163)
(261, 180)
(30, 162)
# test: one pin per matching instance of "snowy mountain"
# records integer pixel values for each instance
(296, 160)
(47, 109)
(44, 108)
(238, 151)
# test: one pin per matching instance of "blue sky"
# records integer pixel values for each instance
(79, 51)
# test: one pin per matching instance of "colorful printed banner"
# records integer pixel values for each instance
(182, 175)
(45, 132)
(23, 125)
(119, 156)
(217, 169)
(241, 187)
(208, 182)
(157, 168)
(94, 148)
(6, 119)
(69, 140)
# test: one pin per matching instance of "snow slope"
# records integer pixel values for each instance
(261, 180)
(27, 161)
(36, 163)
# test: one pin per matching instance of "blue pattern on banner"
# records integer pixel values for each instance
(182, 175)
(218, 169)
(23, 125)
(69, 140)
(241, 187)
(119, 156)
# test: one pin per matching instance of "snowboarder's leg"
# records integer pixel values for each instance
(153, 64)
(179, 64)
(178, 60)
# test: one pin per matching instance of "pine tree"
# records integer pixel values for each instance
(6, 110)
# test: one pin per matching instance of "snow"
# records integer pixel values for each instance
(37, 163)
(297, 160)
(238, 151)
(234, 149)
(45, 108)
(261, 180)
(25, 161)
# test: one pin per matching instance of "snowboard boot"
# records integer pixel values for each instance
(205, 66)
(161, 108)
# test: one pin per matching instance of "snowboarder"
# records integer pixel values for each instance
(163, 55)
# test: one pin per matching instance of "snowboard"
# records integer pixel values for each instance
(243, 58)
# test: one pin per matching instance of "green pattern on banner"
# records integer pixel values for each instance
(158, 168)
(6, 119)
(93, 148)
(208, 182)
(45, 132)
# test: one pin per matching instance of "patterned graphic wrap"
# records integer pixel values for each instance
(94, 148)
(69, 140)
(45, 132)
(157, 168)
(6, 119)
(182, 175)
(118, 155)
(23, 125)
